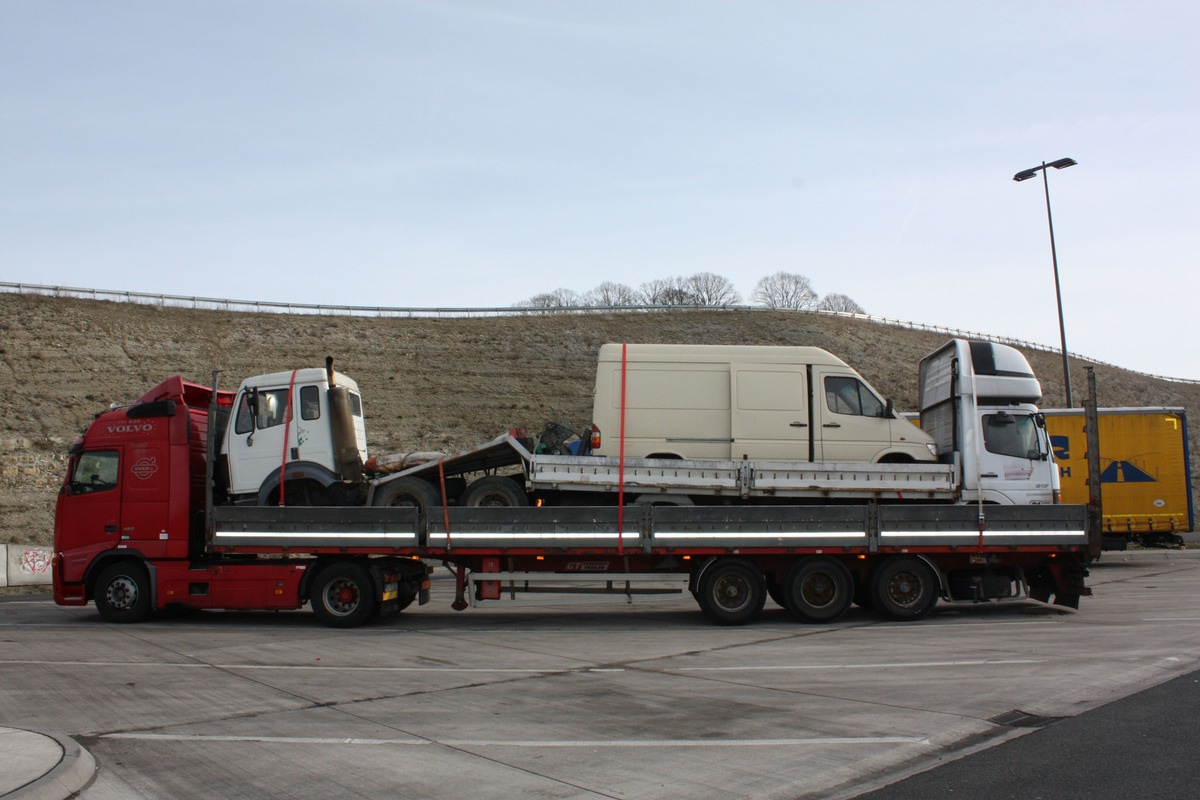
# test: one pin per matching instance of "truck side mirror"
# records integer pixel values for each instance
(252, 404)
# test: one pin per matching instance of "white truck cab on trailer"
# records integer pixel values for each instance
(305, 423)
(978, 400)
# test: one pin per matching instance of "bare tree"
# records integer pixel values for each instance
(785, 290)
(708, 289)
(559, 298)
(666, 292)
(840, 302)
(611, 294)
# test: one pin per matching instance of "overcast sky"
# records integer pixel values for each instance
(465, 154)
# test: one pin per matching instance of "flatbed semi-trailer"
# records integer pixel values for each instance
(139, 526)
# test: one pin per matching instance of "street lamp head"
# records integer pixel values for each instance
(1026, 174)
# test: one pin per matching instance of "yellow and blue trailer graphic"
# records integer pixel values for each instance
(1145, 472)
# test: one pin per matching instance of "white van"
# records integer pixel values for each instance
(717, 402)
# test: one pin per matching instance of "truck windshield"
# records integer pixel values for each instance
(1011, 435)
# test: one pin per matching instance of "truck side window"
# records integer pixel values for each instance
(1011, 435)
(310, 402)
(243, 423)
(95, 471)
(844, 395)
(355, 405)
(272, 407)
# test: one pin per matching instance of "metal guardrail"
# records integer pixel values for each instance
(269, 306)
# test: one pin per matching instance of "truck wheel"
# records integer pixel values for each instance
(732, 592)
(408, 493)
(343, 595)
(494, 490)
(818, 589)
(904, 588)
(123, 592)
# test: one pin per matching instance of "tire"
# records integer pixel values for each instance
(122, 592)
(495, 491)
(818, 589)
(904, 588)
(732, 592)
(408, 493)
(343, 595)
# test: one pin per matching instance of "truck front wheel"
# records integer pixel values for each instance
(904, 588)
(408, 492)
(731, 592)
(123, 592)
(494, 490)
(343, 595)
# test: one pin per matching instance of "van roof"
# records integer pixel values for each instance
(717, 353)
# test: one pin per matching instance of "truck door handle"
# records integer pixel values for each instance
(798, 425)
(832, 425)
(988, 475)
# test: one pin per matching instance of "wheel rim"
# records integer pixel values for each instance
(341, 597)
(122, 593)
(818, 590)
(905, 588)
(732, 593)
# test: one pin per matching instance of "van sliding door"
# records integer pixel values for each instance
(770, 412)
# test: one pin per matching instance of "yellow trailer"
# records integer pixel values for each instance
(1145, 473)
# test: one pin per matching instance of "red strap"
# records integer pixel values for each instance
(621, 457)
(445, 507)
(287, 429)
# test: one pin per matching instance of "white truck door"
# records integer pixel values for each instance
(1015, 459)
(770, 412)
(256, 443)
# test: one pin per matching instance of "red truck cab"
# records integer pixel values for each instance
(134, 486)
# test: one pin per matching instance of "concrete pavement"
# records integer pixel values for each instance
(582, 697)
(42, 766)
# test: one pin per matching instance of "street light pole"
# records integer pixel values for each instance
(1026, 174)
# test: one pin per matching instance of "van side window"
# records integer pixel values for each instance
(95, 471)
(845, 395)
(1011, 435)
(243, 422)
(310, 402)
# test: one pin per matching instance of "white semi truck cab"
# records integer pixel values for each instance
(305, 425)
(978, 401)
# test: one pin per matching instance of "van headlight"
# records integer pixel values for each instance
(932, 449)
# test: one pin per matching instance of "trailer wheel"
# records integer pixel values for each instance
(408, 493)
(904, 588)
(494, 490)
(343, 595)
(818, 589)
(123, 592)
(732, 592)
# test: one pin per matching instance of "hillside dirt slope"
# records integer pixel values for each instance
(428, 384)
